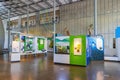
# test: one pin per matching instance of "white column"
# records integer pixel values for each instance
(95, 17)
(54, 24)
(8, 27)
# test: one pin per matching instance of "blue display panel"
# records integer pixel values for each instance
(96, 47)
(117, 32)
(88, 52)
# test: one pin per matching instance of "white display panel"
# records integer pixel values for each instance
(118, 47)
(62, 58)
(99, 44)
(15, 57)
(77, 46)
(15, 46)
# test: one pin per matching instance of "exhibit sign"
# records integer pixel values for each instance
(78, 57)
(15, 46)
(15, 42)
(41, 43)
(62, 45)
(77, 46)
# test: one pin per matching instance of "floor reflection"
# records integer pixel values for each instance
(43, 68)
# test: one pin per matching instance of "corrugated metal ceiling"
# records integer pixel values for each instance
(20, 7)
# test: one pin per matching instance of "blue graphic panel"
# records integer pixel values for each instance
(117, 32)
(96, 45)
(88, 54)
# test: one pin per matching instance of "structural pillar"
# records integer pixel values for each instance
(54, 23)
(95, 17)
(8, 27)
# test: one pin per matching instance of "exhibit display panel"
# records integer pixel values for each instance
(40, 44)
(29, 43)
(15, 49)
(72, 50)
(26, 43)
(78, 50)
(114, 51)
(15, 42)
(96, 46)
(62, 50)
(23, 43)
(118, 42)
(62, 45)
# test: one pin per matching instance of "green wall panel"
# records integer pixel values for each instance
(41, 44)
(78, 59)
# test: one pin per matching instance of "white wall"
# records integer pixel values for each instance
(6, 33)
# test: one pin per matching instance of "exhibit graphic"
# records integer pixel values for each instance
(77, 46)
(15, 42)
(15, 46)
(29, 43)
(40, 42)
(78, 57)
(99, 44)
(62, 45)
(96, 45)
(22, 43)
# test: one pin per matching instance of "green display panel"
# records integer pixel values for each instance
(41, 44)
(78, 50)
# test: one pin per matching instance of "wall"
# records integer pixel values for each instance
(78, 16)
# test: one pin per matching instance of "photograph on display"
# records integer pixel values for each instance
(22, 43)
(77, 46)
(15, 42)
(29, 43)
(62, 45)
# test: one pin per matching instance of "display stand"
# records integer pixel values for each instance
(72, 50)
(15, 50)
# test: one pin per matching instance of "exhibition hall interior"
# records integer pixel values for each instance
(59, 39)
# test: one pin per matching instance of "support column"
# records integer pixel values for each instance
(19, 24)
(54, 24)
(27, 19)
(8, 27)
(95, 17)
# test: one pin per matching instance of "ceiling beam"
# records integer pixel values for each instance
(29, 5)
(46, 2)
(12, 10)
(36, 3)
(58, 2)
(25, 5)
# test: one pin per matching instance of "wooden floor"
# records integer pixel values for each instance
(43, 68)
